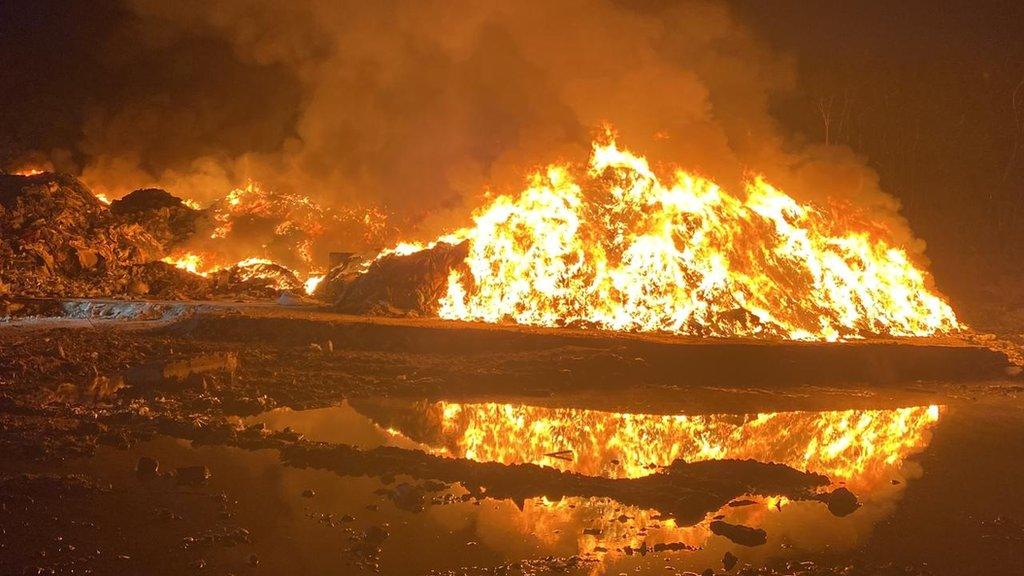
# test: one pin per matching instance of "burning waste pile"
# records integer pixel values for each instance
(59, 239)
(611, 245)
(616, 247)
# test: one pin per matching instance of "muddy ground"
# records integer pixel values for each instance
(230, 439)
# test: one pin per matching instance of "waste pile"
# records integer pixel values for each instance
(57, 239)
(393, 284)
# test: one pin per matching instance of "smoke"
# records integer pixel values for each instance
(423, 107)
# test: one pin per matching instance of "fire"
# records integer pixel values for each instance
(312, 282)
(855, 446)
(103, 198)
(28, 172)
(189, 262)
(274, 234)
(245, 269)
(621, 249)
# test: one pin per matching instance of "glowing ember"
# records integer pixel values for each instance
(28, 172)
(312, 282)
(855, 446)
(247, 269)
(190, 263)
(618, 248)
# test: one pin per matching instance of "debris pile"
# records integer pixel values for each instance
(257, 277)
(58, 239)
(393, 284)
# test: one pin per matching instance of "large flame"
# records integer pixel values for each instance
(854, 446)
(256, 229)
(621, 249)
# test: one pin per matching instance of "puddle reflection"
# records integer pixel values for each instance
(864, 450)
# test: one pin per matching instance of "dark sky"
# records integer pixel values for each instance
(926, 91)
(931, 94)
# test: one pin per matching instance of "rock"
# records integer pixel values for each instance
(729, 561)
(193, 475)
(841, 502)
(375, 536)
(147, 467)
(740, 534)
(408, 497)
(671, 546)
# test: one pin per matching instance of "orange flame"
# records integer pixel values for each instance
(855, 446)
(28, 172)
(623, 250)
(248, 268)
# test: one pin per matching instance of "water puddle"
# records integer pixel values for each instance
(868, 451)
(439, 486)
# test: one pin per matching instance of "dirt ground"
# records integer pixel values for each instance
(238, 439)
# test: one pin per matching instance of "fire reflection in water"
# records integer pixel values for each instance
(863, 449)
(853, 446)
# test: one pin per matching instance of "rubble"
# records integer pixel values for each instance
(57, 239)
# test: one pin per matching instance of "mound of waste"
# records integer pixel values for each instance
(394, 284)
(58, 239)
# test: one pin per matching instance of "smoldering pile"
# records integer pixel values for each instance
(57, 239)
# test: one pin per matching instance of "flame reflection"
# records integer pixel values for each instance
(853, 446)
(864, 449)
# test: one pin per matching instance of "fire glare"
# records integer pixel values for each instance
(620, 249)
(854, 446)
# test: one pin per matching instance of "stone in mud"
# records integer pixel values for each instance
(375, 536)
(740, 534)
(193, 475)
(671, 546)
(408, 497)
(729, 561)
(147, 467)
